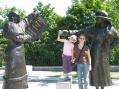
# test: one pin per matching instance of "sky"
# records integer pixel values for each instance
(61, 6)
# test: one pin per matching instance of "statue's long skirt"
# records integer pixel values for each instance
(15, 68)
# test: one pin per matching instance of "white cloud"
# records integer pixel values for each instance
(60, 5)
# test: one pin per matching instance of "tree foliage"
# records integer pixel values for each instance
(46, 50)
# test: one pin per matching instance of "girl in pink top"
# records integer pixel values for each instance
(67, 54)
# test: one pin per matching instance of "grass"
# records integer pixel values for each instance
(73, 75)
(113, 75)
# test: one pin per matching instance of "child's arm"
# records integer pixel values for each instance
(72, 55)
(59, 39)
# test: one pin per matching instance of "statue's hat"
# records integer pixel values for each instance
(101, 13)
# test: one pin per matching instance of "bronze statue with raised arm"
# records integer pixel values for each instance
(102, 33)
(17, 32)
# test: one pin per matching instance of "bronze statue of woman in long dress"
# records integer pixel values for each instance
(102, 33)
(15, 32)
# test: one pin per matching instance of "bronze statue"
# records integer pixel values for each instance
(102, 33)
(15, 32)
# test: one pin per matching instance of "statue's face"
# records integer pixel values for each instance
(13, 18)
(100, 20)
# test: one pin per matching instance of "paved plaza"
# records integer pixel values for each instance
(46, 80)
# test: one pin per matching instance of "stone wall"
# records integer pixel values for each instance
(59, 68)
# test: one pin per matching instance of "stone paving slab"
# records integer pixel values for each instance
(41, 80)
(50, 83)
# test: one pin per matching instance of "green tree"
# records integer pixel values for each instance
(45, 51)
(114, 13)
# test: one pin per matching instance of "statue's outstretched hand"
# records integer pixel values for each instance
(36, 12)
(34, 15)
(64, 32)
